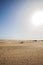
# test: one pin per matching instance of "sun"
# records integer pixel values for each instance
(37, 18)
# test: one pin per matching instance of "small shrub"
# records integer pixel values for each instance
(41, 40)
(35, 40)
(21, 42)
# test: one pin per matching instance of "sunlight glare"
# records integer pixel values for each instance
(37, 18)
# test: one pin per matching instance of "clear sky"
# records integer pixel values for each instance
(15, 19)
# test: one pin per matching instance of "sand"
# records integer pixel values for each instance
(15, 52)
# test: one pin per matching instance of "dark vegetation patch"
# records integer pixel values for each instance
(21, 42)
(35, 40)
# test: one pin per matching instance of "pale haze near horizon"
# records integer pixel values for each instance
(15, 21)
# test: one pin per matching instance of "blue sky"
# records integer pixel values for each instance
(10, 27)
(14, 20)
